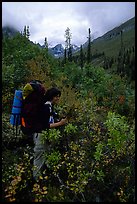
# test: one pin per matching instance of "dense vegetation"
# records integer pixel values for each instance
(92, 158)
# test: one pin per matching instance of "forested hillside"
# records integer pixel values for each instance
(115, 50)
(92, 158)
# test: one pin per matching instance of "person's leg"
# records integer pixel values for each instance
(38, 160)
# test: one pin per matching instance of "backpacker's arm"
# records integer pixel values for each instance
(60, 123)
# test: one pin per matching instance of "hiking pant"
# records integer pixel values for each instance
(39, 149)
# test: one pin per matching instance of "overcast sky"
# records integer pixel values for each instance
(51, 19)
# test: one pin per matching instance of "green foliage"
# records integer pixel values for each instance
(98, 152)
(109, 89)
(52, 135)
(52, 158)
(111, 46)
(105, 50)
(89, 160)
(22, 61)
(70, 129)
(18, 179)
(119, 132)
(90, 157)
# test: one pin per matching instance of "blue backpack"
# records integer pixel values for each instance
(15, 118)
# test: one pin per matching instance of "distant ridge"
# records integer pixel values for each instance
(126, 26)
(9, 31)
(97, 44)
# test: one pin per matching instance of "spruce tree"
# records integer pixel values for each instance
(65, 56)
(81, 57)
(68, 47)
(27, 32)
(46, 44)
(120, 66)
(89, 48)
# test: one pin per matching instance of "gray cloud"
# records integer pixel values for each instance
(50, 19)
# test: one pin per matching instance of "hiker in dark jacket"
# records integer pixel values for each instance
(49, 121)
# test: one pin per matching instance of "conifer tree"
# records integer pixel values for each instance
(70, 54)
(81, 57)
(89, 48)
(120, 66)
(27, 32)
(46, 44)
(68, 47)
(65, 55)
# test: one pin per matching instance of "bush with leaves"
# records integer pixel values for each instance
(92, 158)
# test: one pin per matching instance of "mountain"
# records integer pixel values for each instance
(9, 31)
(110, 42)
(115, 32)
(58, 50)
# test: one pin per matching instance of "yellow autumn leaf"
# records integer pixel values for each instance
(44, 188)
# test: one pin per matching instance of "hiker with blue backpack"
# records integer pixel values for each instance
(33, 112)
